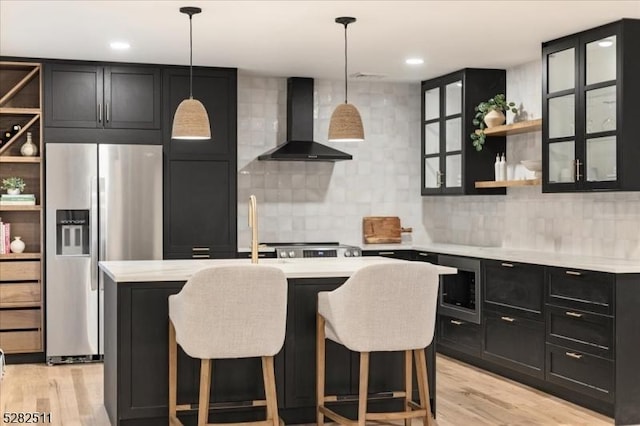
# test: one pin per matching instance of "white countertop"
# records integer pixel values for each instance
(590, 263)
(181, 270)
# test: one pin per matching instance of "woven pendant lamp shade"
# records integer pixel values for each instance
(191, 121)
(346, 124)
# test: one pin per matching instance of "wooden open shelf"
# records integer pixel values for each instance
(20, 256)
(21, 103)
(514, 129)
(18, 159)
(507, 183)
(20, 208)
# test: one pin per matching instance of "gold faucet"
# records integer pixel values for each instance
(253, 225)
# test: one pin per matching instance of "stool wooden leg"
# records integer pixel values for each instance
(423, 384)
(364, 388)
(320, 366)
(173, 372)
(408, 384)
(270, 389)
(205, 388)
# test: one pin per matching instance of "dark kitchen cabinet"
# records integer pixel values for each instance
(514, 342)
(200, 190)
(459, 335)
(198, 223)
(300, 346)
(514, 286)
(120, 100)
(590, 92)
(450, 164)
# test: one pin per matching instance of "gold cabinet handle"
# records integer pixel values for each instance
(507, 265)
(578, 175)
(456, 322)
(200, 249)
(507, 319)
(576, 273)
(423, 254)
(573, 355)
(387, 252)
(573, 314)
(200, 256)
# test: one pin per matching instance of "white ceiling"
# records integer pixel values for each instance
(300, 38)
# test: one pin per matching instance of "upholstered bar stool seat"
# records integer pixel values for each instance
(227, 312)
(384, 307)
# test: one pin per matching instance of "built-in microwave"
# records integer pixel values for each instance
(459, 294)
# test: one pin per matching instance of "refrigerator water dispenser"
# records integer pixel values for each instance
(72, 232)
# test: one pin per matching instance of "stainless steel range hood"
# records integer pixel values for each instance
(300, 145)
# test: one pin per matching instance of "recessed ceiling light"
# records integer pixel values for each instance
(119, 45)
(605, 43)
(414, 61)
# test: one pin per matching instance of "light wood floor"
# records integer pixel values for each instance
(466, 396)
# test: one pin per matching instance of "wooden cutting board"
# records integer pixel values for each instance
(381, 229)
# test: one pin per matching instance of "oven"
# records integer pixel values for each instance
(459, 294)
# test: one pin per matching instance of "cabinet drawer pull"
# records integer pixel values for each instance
(576, 273)
(507, 265)
(387, 252)
(200, 249)
(573, 314)
(423, 254)
(456, 322)
(200, 256)
(573, 355)
(507, 319)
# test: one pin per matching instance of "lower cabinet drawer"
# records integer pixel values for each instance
(581, 372)
(581, 330)
(514, 342)
(20, 270)
(19, 293)
(16, 319)
(20, 341)
(460, 335)
(587, 290)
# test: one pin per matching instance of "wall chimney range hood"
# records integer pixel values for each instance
(299, 145)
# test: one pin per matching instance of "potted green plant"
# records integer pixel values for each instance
(14, 185)
(490, 114)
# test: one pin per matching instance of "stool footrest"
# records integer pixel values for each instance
(396, 415)
(372, 396)
(337, 417)
(224, 405)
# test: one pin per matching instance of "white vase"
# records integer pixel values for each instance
(17, 245)
(29, 149)
(13, 191)
(495, 117)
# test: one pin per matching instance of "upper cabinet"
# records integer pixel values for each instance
(80, 99)
(590, 84)
(450, 163)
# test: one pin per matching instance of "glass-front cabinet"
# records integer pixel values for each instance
(590, 81)
(450, 163)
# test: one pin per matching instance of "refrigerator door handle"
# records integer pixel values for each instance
(104, 212)
(93, 252)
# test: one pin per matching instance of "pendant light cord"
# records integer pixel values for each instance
(190, 56)
(345, 64)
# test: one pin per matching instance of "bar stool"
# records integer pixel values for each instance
(383, 307)
(226, 312)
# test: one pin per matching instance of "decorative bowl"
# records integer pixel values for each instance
(534, 166)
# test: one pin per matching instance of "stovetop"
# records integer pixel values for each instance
(293, 250)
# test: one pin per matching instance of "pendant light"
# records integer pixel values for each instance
(345, 124)
(191, 121)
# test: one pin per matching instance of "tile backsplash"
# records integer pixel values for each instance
(323, 201)
(306, 201)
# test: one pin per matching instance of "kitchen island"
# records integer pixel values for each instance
(136, 346)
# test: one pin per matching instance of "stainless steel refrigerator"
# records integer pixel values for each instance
(104, 202)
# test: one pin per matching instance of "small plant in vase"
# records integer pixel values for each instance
(490, 114)
(14, 185)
